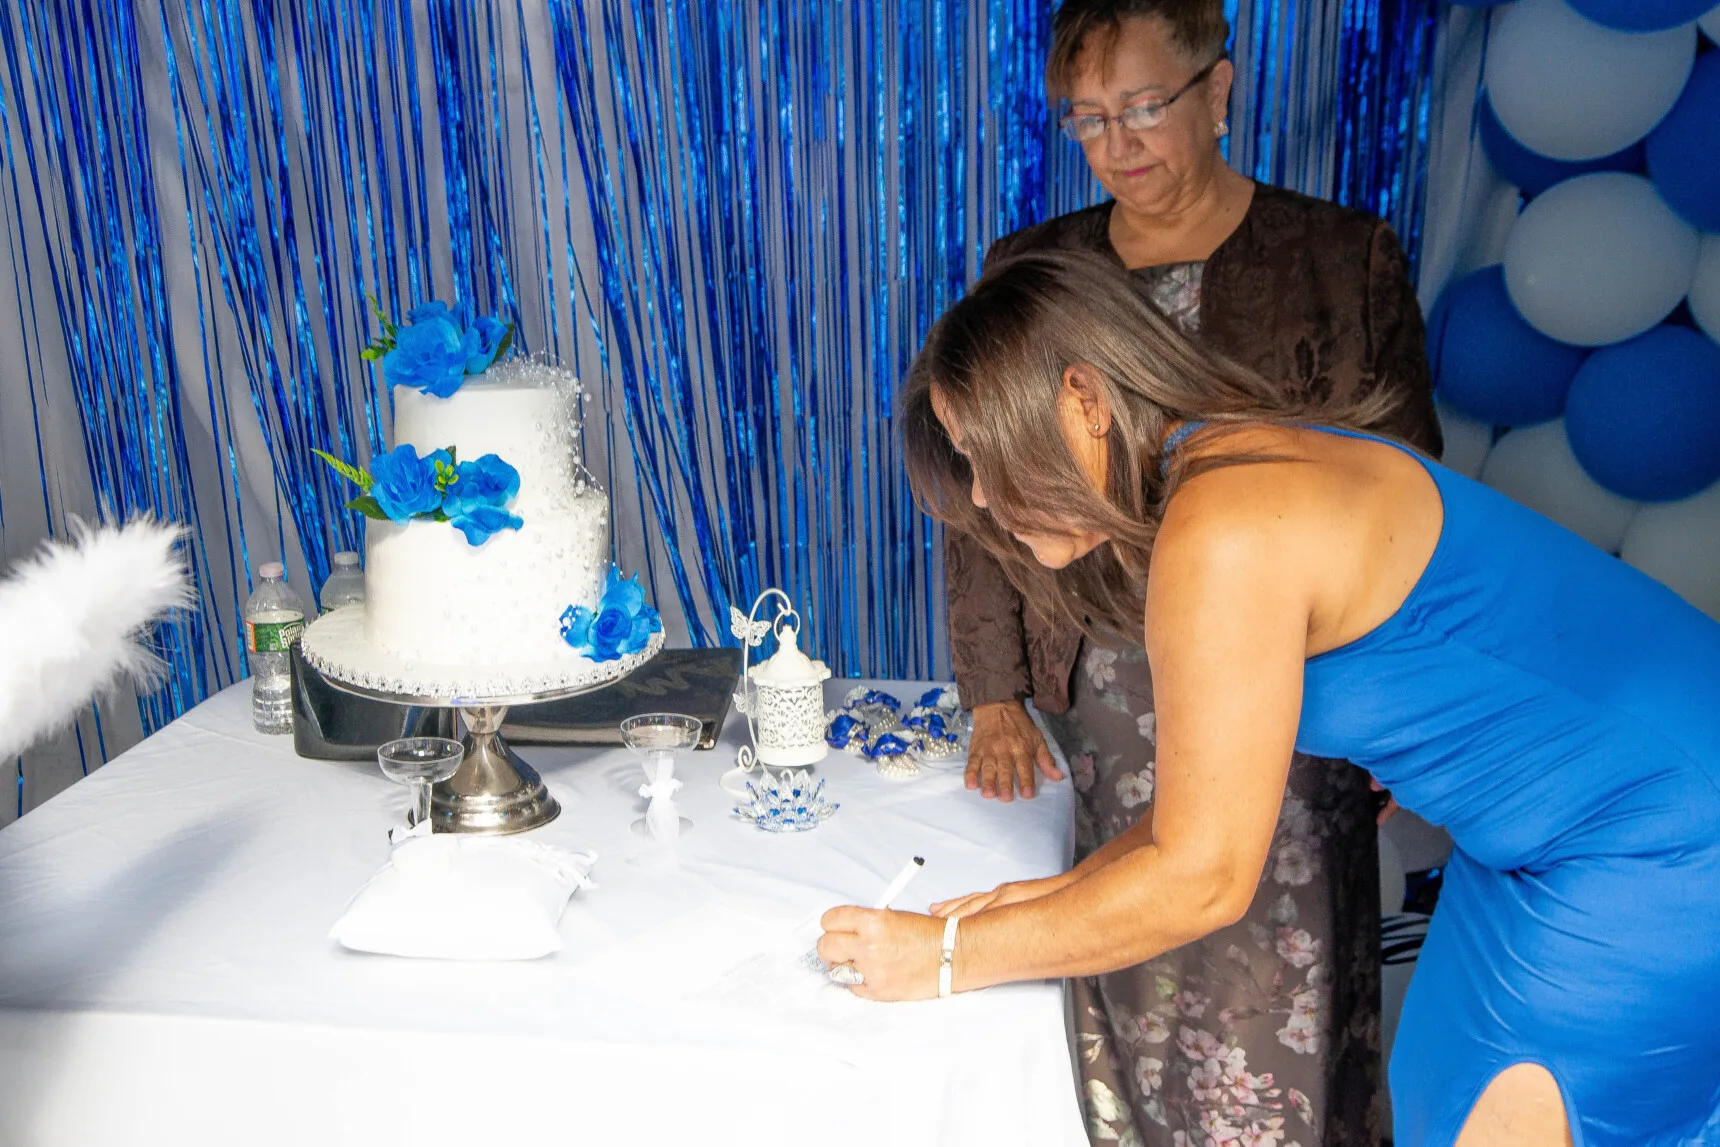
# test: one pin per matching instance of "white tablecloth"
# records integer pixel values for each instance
(165, 975)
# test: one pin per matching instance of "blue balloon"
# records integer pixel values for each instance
(1684, 150)
(1643, 416)
(1642, 15)
(1489, 363)
(1530, 171)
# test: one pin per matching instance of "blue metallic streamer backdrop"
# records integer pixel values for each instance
(735, 218)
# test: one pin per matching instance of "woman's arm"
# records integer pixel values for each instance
(1227, 636)
(1227, 632)
(988, 654)
(1135, 836)
(988, 644)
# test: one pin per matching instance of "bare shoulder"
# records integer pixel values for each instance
(1241, 520)
(1249, 507)
(1236, 571)
(1335, 528)
(1308, 473)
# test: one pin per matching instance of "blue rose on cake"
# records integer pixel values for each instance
(430, 352)
(479, 523)
(492, 336)
(489, 481)
(622, 623)
(478, 496)
(439, 346)
(405, 485)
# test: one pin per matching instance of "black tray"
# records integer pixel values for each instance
(331, 725)
(697, 682)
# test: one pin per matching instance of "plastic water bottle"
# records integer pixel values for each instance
(345, 585)
(274, 619)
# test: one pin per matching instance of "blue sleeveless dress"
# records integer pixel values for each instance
(1558, 713)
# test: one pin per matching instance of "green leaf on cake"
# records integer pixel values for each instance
(346, 470)
(438, 516)
(367, 506)
(502, 347)
(388, 328)
(373, 352)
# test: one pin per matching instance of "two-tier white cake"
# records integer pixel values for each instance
(433, 597)
(472, 608)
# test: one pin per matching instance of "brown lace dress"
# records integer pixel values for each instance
(1264, 1034)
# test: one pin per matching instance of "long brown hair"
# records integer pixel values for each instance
(996, 360)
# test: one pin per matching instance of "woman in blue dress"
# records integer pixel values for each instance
(1305, 584)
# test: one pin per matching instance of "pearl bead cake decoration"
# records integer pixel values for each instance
(337, 646)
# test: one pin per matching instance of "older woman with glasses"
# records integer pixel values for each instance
(1282, 1008)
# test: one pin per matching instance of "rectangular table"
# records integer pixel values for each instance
(165, 975)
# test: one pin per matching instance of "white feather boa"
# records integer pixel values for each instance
(73, 617)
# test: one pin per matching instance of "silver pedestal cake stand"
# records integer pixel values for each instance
(493, 791)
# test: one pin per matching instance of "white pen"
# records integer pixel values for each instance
(903, 879)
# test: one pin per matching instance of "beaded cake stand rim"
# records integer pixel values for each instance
(433, 693)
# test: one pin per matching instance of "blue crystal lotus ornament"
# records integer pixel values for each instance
(788, 801)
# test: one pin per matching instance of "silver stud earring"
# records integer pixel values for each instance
(1095, 428)
(1223, 128)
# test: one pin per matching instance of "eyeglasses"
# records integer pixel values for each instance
(1084, 127)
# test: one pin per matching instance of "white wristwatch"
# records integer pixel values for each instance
(947, 959)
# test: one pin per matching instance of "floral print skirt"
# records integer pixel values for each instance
(1263, 1034)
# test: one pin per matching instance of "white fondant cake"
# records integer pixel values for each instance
(432, 597)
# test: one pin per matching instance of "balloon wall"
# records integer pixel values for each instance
(1580, 374)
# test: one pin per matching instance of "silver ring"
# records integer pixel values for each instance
(847, 975)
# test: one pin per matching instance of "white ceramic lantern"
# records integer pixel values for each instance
(783, 697)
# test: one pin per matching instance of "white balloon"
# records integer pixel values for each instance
(1535, 466)
(1599, 259)
(1678, 543)
(1710, 24)
(1569, 88)
(1467, 441)
(1705, 288)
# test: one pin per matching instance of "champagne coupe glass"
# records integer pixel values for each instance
(419, 762)
(656, 736)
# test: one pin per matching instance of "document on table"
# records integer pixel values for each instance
(739, 959)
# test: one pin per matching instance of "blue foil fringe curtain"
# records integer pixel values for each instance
(735, 218)
(1333, 98)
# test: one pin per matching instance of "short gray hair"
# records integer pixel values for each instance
(1198, 28)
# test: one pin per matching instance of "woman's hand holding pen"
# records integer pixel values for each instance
(896, 953)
